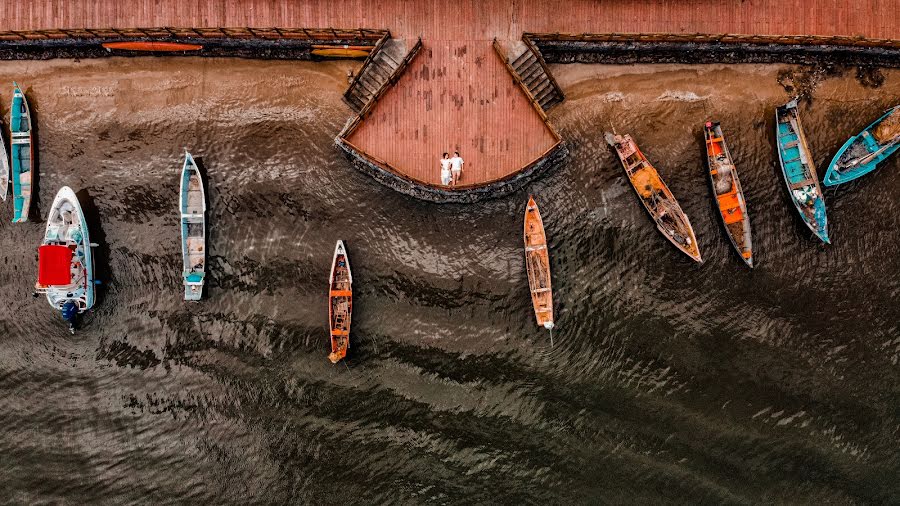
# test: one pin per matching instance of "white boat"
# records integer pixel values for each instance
(193, 229)
(65, 260)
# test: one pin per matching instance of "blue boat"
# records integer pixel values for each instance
(21, 154)
(863, 152)
(65, 260)
(193, 229)
(799, 171)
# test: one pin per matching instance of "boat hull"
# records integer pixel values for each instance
(152, 46)
(537, 264)
(799, 171)
(340, 303)
(192, 206)
(862, 153)
(82, 291)
(655, 196)
(21, 155)
(728, 192)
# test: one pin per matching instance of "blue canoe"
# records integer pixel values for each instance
(20, 155)
(863, 152)
(192, 204)
(799, 171)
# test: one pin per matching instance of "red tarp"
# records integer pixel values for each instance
(54, 265)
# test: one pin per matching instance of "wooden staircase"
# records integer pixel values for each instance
(527, 62)
(379, 67)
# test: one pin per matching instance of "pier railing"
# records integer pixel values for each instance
(194, 33)
(726, 38)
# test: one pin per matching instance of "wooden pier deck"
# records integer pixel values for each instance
(457, 93)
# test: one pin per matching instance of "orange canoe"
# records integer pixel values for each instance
(728, 192)
(537, 262)
(340, 303)
(138, 45)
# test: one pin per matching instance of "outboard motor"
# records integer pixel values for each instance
(69, 312)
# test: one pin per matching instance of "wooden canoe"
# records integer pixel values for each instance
(340, 303)
(799, 170)
(21, 155)
(192, 203)
(728, 192)
(141, 45)
(537, 262)
(664, 209)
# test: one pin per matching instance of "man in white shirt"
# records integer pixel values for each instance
(445, 169)
(456, 164)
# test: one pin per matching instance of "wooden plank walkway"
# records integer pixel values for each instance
(457, 94)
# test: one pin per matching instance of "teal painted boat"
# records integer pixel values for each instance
(799, 170)
(863, 152)
(21, 155)
(193, 229)
(65, 260)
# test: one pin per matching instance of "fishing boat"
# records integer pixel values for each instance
(655, 196)
(799, 170)
(863, 152)
(193, 229)
(727, 190)
(4, 169)
(340, 303)
(65, 261)
(21, 153)
(537, 263)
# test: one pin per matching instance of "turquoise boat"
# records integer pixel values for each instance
(193, 229)
(21, 155)
(799, 170)
(863, 152)
(65, 260)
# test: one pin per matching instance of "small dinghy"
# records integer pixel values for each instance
(193, 229)
(65, 261)
(799, 170)
(862, 153)
(21, 154)
(728, 192)
(537, 263)
(655, 196)
(340, 303)
(4, 170)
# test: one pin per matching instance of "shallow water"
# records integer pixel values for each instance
(668, 380)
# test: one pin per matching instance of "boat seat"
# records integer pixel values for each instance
(792, 144)
(540, 290)
(535, 248)
(194, 277)
(341, 293)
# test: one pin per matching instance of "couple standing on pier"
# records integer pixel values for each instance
(451, 169)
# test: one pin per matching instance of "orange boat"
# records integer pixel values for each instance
(728, 192)
(340, 303)
(139, 45)
(537, 262)
(655, 195)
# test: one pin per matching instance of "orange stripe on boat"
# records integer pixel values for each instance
(152, 46)
(341, 293)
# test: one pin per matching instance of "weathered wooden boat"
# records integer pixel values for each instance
(728, 192)
(4, 170)
(670, 219)
(863, 152)
(537, 263)
(799, 170)
(21, 154)
(193, 229)
(340, 303)
(65, 261)
(153, 46)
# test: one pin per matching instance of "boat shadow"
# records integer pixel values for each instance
(102, 268)
(34, 213)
